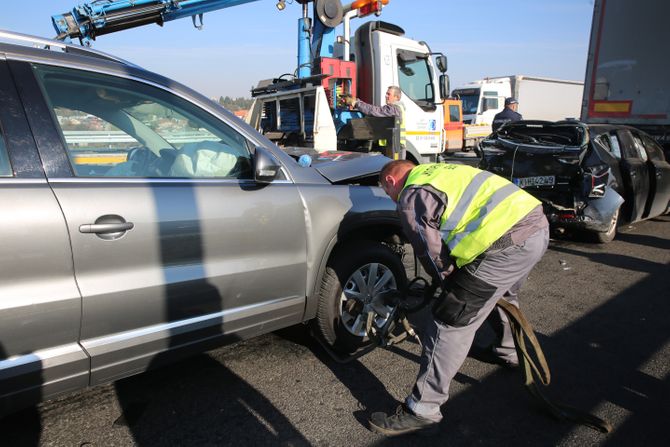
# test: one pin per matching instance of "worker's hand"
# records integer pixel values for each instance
(446, 272)
(349, 101)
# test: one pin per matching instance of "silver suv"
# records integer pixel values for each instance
(143, 222)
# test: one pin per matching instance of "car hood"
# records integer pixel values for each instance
(342, 166)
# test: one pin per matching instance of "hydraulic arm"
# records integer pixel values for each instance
(99, 17)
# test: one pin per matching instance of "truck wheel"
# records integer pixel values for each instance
(604, 237)
(351, 288)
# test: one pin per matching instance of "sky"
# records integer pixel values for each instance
(241, 45)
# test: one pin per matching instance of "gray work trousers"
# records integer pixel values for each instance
(446, 346)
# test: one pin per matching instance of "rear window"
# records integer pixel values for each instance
(547, 134)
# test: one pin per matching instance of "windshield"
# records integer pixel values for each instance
(545, 134)
(415, 77)
(470, 98)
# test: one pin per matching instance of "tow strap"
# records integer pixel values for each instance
(522, 330)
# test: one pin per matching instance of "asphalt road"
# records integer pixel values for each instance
(600, 312)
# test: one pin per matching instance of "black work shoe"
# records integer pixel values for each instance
(488, 355)
(402, 422)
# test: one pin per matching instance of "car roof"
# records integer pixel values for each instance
(26, 44)
(594, 129)
(599, 129)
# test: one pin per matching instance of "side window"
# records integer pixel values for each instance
(653, 149)
(116, 127)
(5, 166)
(490, 103)
(616, 147)
(454, 114)
(94, 145)
(639, 148)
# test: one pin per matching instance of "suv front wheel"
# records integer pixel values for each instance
(352, 287)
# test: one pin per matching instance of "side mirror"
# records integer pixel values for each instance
(266, 167)
(444, 86)
(485, 106)
(441, 62)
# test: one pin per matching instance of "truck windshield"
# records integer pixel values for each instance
(415, 77)
(470, 98)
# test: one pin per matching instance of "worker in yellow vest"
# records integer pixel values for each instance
(392, 108)
(478, 235)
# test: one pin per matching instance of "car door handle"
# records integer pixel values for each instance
(106, 228)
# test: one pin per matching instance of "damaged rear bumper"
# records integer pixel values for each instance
(594, 215)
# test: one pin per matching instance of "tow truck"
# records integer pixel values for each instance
(304, 110)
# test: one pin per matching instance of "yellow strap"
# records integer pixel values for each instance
(521, 329)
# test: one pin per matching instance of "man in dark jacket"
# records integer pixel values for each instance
(508, 114)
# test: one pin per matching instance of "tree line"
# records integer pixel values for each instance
(234, 104)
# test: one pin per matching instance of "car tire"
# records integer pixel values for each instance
(342, 314)
(604, 237)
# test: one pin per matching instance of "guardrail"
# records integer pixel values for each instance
(86, 137)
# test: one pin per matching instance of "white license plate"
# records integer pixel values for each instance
(540, 180)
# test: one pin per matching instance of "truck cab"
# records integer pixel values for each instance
(309, 114)
(384, 57)
(482, 100)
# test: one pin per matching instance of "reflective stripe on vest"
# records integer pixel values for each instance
(481, 206)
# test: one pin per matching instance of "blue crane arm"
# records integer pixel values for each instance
(99, 17)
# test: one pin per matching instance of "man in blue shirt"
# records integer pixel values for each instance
(508, 114)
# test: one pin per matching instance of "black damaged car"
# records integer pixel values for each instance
(588, 177)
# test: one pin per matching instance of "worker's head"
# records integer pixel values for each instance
(393, 177)
(392, 94)
(511, 103)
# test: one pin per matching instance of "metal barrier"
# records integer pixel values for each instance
(86, 137)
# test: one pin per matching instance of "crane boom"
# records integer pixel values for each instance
(100, 17)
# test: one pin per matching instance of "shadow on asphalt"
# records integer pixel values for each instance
(596, 360)
(644, 239)
(364, 386)
(201, 402)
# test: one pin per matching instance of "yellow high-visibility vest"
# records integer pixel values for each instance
(481, 206)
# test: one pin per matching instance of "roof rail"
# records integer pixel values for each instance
(55, 45)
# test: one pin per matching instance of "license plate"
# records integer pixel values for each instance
(540, 180)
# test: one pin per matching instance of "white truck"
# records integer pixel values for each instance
(539, 99)
(305, 112)
(626, 72)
